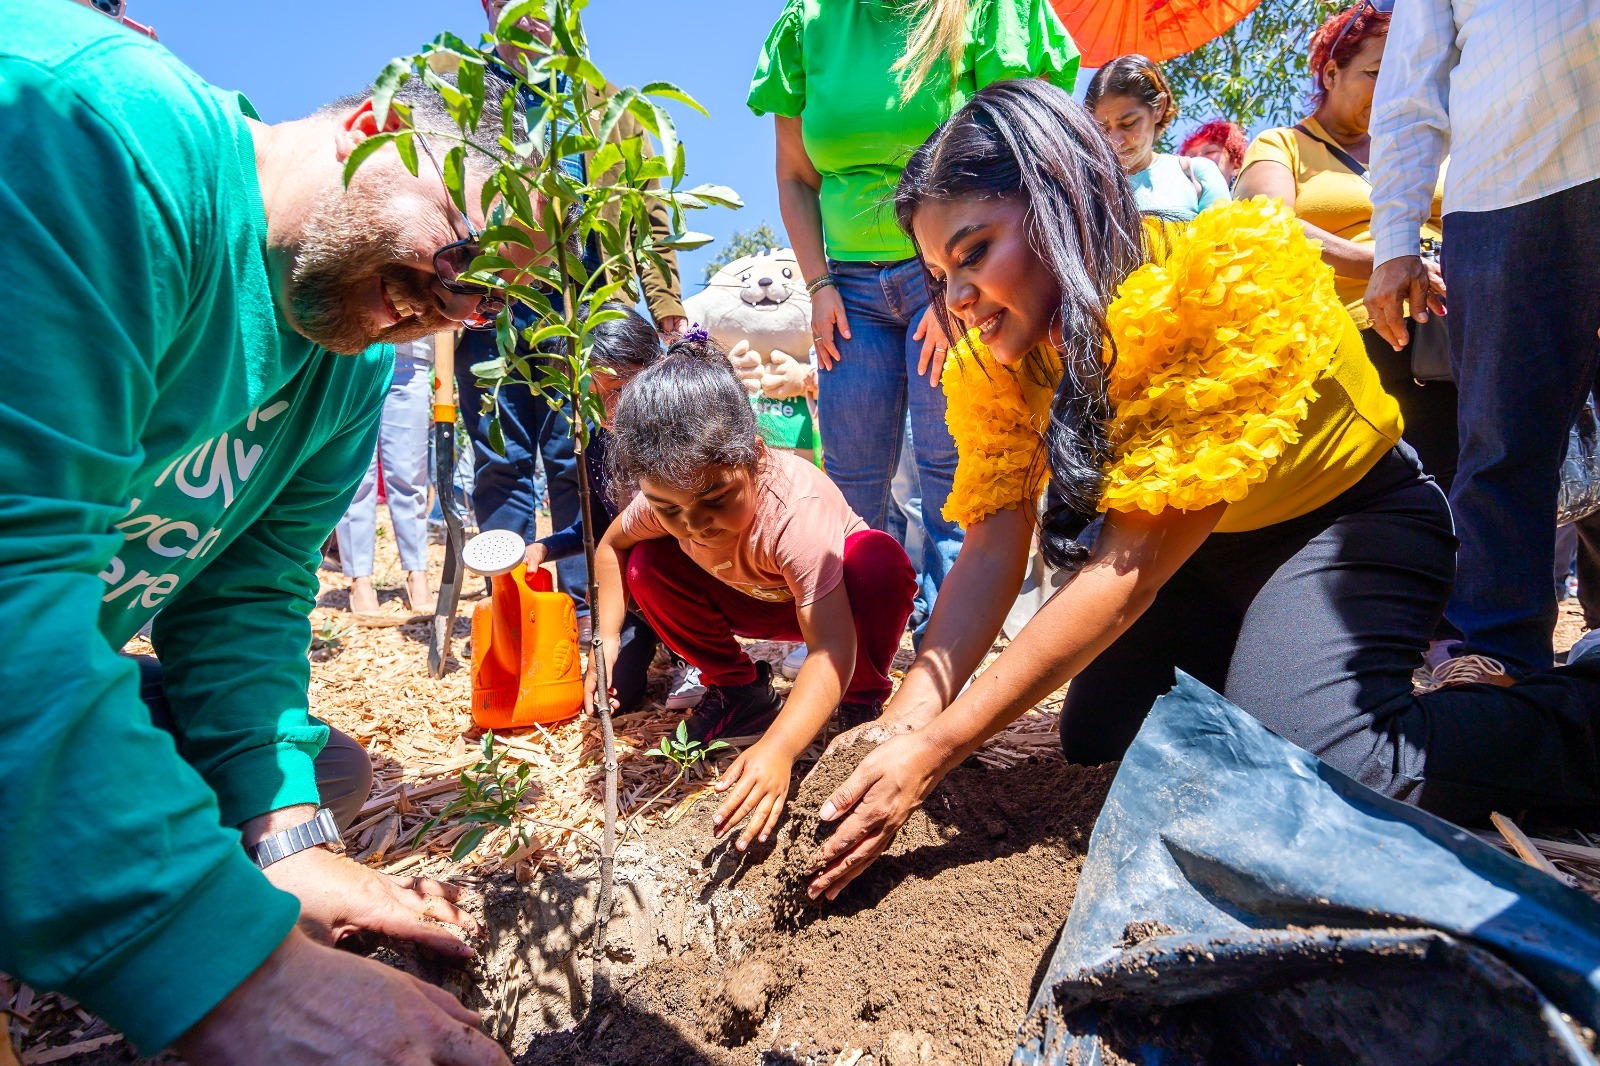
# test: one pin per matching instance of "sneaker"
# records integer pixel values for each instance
(736, 710)
(685, 690)
(1586, 645)
(1470, 669)
(852, 714)
(790, 667)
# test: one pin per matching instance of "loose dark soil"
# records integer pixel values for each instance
(931, 956)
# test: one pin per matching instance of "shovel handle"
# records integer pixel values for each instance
(444, 378)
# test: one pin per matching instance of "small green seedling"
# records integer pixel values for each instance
(490, 795)
(329, 635)
(682, 752)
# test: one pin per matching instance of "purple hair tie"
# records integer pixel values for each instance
(695, 334)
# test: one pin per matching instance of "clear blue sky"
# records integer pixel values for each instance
(291, 56)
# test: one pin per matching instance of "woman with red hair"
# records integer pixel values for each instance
(1318, 167)
(1220, 141)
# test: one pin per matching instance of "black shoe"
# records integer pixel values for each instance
(854, 714)
(736, 710)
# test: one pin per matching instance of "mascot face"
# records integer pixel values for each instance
(765, 280)
(761, 299)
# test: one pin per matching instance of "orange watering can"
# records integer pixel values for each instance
(525, 667)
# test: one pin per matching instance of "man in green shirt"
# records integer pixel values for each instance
(199, 318)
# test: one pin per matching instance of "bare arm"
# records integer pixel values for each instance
(972, 605)
(1266, 177)
(758, 781)
(1136, 555)
(798, 186)
(610, 556)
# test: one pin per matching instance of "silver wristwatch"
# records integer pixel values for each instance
(321, 829)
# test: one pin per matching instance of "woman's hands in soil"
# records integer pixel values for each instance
(339, 897)
(311, 1004)
(827, 314)
(930, 331)
(756, 784)
(875, 801)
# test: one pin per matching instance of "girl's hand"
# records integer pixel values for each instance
(611, 647)
(886, 787)
(827, 313)
(757, 785)
(930, 331)
(535, 556)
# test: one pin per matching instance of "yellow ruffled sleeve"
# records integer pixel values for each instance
(1220, 343)
(997, 416)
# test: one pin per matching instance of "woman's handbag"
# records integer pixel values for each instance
(1430, 340)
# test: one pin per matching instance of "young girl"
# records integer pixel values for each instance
(728, 539)
(1265, 530)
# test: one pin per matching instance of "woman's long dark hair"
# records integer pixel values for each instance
(1029, 140)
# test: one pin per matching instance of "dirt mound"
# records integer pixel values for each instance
(930, 956)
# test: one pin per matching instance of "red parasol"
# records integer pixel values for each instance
(1160, 29)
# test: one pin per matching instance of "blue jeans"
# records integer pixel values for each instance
(503, 491)
(403, 448)
(862, 405)
(1524, 302)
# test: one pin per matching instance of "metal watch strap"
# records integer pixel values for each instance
(321, 829)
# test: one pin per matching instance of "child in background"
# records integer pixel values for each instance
(622, 347)
(729, 538)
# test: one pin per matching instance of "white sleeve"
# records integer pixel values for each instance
(1411, 123)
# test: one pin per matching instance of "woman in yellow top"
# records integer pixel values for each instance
(1265, 531)
(1333, 200)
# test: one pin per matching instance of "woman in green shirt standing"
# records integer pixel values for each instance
(854, 87)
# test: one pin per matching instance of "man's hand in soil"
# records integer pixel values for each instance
(308, 1004)
(890, 783)
(339, 897)
(755, 785)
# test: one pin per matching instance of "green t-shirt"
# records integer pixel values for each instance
(831, 60)
(167, 444)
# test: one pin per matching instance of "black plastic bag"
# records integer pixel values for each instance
(1243, 903)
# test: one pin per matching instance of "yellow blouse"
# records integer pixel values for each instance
(1239, 377)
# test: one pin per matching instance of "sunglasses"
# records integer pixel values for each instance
(454, 260)
(1381, 7)
(114, 8)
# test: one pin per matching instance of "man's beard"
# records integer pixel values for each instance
(347, 245)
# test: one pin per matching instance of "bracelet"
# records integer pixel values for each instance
(821, 283)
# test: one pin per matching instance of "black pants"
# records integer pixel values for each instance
(1428, 408)
(1315, 625)
(344, 773)
(631, 674)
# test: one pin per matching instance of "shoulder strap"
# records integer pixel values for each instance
(1354, 165)
(1188, 172)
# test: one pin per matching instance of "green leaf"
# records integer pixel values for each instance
(469, 843)
(672, 92)
(514, 13)
(359, 154)
(678, 165)
(607, 157)
(683, 733)
(455, 175)
(469, 79)
(405, 143)
(683, 242)
(497, 436)
(720, 195)
(385, 85)
(615, 108)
